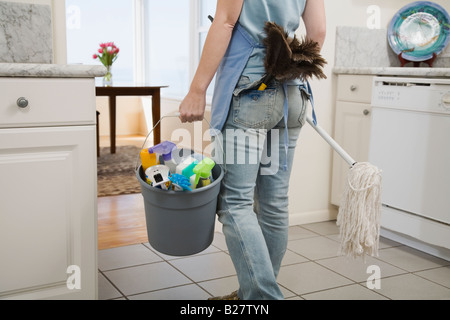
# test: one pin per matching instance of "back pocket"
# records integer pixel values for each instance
(254, 109)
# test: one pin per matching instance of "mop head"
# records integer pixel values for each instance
(288, 58)
(359, 212)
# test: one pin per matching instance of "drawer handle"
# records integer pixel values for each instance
(366, 112)
(353, 87)
(22, 102)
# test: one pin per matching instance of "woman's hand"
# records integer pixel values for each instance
(192, 108)
(219, 35)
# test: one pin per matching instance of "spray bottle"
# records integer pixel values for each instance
(202, 172)
(165, 149)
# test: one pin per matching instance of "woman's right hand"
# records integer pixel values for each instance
(192, 108)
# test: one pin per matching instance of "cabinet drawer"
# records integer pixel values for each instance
(49, 102)
(355, 88)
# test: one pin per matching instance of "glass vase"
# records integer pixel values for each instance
(107, 78)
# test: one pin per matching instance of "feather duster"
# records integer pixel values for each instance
(288, 58)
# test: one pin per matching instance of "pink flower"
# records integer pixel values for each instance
(107, 53)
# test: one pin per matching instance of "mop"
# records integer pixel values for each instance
(360, 207)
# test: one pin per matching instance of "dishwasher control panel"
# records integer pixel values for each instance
(413, 94)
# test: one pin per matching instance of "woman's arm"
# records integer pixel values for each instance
(192, 108)
(315, 21)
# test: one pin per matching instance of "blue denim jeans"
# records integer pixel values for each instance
(253, 201)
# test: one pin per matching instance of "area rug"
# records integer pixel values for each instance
(116, 172)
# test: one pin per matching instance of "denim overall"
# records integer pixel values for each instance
(253, 201)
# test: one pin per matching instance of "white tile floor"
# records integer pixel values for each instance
(311, 270)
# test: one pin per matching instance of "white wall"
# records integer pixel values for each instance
(130, 116)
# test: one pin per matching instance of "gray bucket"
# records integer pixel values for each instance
(180, 223)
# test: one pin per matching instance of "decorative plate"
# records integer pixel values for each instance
(418, 30)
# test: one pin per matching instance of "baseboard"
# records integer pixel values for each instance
(312, 216)
(301, 218)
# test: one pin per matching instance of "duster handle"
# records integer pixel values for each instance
(332, 142)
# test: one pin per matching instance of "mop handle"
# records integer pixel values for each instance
(332, 142)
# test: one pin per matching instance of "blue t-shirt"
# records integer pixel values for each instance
(255, 13)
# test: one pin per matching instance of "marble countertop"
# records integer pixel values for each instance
(397, 71)
(51, 70)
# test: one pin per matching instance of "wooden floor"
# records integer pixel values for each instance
(121, 219)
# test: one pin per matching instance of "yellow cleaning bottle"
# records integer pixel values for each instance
(148, 159)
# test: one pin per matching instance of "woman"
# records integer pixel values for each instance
(253, 202)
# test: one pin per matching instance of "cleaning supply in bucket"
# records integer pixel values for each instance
(165, 149)
(158, 176)
(186, 168)
(180, 182)
(148, 159)
(203, 172)
(168, 175)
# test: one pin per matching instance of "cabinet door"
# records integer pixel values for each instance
(48, 213)
(352, 132)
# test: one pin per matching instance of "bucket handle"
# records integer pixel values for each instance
(176, 115)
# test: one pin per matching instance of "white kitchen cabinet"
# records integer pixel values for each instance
(352, 127)
(48, 189)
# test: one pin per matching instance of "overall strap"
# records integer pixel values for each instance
(230, 70)
(307, 89)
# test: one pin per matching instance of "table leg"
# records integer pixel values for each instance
(112, 122)
(156, 115)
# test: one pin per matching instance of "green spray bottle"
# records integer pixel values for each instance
(203, 172)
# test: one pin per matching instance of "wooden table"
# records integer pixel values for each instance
(132, 90)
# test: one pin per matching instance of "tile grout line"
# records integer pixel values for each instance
(115, 287)
(414, 273)
(315, 261)
(192, 280)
